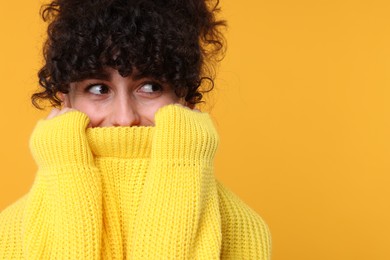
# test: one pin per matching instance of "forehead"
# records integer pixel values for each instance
(107, 74)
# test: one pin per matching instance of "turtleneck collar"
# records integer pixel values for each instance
(121, 142)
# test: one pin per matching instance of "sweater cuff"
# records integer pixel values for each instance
(184, 134)
(61, 141)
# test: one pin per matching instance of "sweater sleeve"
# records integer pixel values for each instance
(245, 234)
(62, 216)
(179, 215)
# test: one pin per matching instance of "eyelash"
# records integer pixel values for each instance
(154, 85)
(90, 86)
(106, 89)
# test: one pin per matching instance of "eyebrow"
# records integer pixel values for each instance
(102, 75)
(106, 76)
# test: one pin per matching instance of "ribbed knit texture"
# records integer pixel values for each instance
(130, 193)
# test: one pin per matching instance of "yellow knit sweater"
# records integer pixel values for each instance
(129, 193)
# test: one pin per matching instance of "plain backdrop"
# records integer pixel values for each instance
(301, 105)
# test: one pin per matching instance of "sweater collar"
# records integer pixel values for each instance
(121, 142)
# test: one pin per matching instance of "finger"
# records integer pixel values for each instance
(192, 107)
(65, 110)
(53, 113)
(65, 100)
(56, 112)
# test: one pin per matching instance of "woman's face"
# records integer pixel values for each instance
(112, 100)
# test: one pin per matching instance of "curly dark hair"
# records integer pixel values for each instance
(174, 41)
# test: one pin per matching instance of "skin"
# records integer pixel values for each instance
(112, 100)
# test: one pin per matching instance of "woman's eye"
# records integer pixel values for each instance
(98, 89)
(151, 88)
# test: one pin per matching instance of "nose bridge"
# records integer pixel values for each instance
(124, 112)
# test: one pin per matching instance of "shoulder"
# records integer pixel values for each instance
(245, 234)
(11, 230)
(13, 213)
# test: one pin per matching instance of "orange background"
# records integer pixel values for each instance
(302, 108)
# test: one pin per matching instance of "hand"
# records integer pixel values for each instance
(188, 106)
(184, 132)
(56, 112)
(61, 139)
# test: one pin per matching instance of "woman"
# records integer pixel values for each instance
(125, 163)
